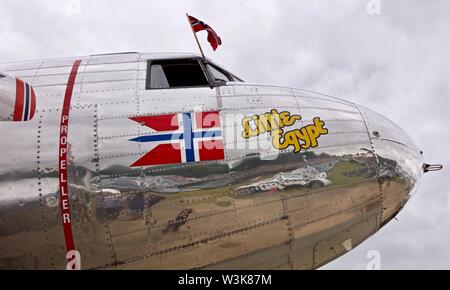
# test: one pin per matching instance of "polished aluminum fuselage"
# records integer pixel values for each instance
(248, 211)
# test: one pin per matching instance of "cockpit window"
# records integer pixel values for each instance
(158, 78)
(236, 79)
(219, 74)
(174, 73)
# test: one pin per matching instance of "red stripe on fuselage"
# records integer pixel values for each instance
(18, 108)
(33, 104)
(62, 156)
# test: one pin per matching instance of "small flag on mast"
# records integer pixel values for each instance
(198, 25)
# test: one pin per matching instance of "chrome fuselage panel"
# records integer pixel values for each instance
(258, 208)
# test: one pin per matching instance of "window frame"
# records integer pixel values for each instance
(150, 62)
(219, 69)
(231, 77)
(204, 66)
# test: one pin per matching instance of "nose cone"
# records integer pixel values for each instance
(400, 162)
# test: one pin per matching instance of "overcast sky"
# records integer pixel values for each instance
(393, 58)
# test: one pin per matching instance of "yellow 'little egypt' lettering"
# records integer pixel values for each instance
(273, 122)
(303, 138)
(267, 122)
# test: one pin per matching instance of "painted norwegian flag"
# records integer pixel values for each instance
(181, 138)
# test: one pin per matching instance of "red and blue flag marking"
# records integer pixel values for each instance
(25, 105)
(182, 138)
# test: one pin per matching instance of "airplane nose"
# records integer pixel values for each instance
(400, 162)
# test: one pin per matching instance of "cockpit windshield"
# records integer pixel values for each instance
(221, 74)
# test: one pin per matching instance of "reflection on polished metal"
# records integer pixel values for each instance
(235, 207)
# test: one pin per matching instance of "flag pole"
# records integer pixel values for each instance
(196, 39)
